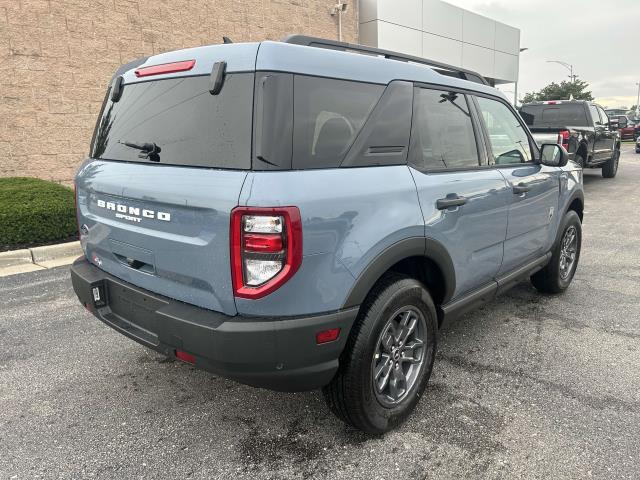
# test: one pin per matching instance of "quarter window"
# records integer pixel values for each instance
(328, 114)
(443, 135)
(507, 136)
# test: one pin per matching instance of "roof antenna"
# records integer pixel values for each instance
(226, 40)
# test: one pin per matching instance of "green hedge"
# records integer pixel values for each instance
(34, 211)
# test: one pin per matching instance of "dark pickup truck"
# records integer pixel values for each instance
(582, 128)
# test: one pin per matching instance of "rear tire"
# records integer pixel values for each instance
(610, 168)
(556, 276)
(388, 358)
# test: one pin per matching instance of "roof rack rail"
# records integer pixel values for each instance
(440, 67)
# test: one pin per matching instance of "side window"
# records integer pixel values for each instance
(603, 116)
(328, 114)
(508, 138)
(594, 114)
(443, 134)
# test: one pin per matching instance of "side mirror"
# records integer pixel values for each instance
(553, 155)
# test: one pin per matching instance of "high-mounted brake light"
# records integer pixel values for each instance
(173, 67)
(266, 248)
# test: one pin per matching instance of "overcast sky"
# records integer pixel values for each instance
(601, 38)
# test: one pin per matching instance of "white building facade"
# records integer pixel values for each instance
(443, 32)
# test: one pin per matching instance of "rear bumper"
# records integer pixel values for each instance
(275, 353)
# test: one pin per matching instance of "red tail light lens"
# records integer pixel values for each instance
(563, 138)
(165, 68)
(266, 248)
(75, 206)
(265, 242)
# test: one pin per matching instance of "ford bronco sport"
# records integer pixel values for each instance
(295, 217)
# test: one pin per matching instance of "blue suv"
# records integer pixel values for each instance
(306, 214)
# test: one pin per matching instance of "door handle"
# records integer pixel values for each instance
(451, 200)
(521, 188)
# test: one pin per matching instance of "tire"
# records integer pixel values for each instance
(352, 394)
(555, 277)
(610, 168)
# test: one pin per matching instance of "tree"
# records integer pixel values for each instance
(562, 91)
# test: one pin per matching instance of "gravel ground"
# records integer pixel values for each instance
(528, 386)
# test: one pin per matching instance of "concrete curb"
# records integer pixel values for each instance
(38, 258)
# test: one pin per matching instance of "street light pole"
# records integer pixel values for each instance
(568, 66)
(638, 101)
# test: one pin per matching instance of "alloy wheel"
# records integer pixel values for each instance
(568, 251)
(399, 356)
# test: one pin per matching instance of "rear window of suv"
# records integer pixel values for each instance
(562, 114)
(179, 115)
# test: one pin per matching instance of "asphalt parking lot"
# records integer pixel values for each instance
(529, 386)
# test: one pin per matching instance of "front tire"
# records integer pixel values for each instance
(610, 168)
(556, 276)
(388, 358)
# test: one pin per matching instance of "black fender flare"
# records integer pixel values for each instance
(577, 195)
(408, 247)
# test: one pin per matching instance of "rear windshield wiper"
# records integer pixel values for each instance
(148, 151)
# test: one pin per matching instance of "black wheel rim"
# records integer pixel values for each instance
(568, 252)
(399, 356)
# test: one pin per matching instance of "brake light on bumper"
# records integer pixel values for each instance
(266, 248)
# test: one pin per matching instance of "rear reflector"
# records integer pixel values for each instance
(165, 68)
(185, 357)
(327, 336)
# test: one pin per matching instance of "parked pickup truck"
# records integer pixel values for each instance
(582, 128)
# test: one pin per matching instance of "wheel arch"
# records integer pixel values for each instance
(576, 203)
(583, 150)
(422, 258)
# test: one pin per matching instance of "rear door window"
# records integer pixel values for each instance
(188, 125)
(594, 114)
(443, 135)
(603, 116)
(328, 114)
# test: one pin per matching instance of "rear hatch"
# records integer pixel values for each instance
(167, 164)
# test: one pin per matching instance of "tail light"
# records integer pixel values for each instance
(266, 249)
(563, 139)
(75, 207)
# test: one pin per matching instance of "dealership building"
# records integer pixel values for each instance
(57, 57)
